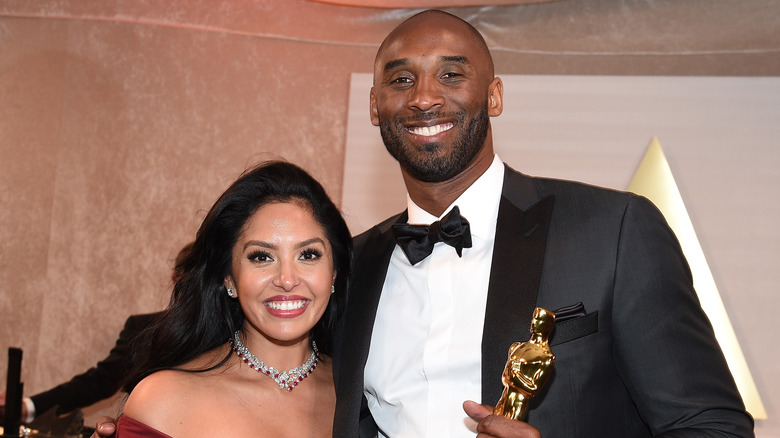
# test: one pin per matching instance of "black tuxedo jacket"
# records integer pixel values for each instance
(639, 360)
(97, 383)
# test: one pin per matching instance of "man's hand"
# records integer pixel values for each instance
(496, 426)
(104, 428)
(2, 406)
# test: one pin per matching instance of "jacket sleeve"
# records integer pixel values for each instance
(99, 382)
(665, 347)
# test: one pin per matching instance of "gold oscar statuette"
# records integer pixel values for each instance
(527, 368)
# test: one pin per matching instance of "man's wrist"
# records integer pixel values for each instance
(28, 407)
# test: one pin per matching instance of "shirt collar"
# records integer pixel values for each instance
(478, 204)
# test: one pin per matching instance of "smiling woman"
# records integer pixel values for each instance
(250, 318)
(282, 274)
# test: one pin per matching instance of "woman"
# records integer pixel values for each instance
(241, 349)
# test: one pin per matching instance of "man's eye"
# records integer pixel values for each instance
(402, 80)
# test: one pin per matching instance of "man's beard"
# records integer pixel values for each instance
(431, 165)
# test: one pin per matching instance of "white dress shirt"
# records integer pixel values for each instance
(425, 356)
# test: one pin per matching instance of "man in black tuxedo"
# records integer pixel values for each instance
(635, 354)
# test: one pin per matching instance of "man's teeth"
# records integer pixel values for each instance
(428, 131)
(286, 305)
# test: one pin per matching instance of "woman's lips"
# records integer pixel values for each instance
(286, 307)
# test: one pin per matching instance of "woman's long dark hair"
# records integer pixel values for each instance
(201, 316)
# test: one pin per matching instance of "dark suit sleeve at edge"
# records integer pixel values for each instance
(665, 348)
(97, 383)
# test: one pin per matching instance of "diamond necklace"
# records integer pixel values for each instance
(285, 379)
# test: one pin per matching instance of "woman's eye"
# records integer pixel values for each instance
(259, 256)
(310, 254)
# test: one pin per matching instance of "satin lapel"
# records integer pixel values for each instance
(518, 254)
(373, 250)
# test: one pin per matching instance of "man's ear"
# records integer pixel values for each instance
(496, 97)
(373, 109)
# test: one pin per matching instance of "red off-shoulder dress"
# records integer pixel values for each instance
(126, 427)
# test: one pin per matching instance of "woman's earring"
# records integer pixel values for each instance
(333, 289)
(231, 292)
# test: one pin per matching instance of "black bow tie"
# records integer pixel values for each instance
(417, 240)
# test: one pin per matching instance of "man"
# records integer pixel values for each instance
(636, 358)
(101, 381)
(635, 354)
(96, 384)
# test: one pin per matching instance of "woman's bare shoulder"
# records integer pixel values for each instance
(159, 398)
(165, 398)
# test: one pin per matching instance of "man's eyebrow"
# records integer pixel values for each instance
(457, 59)
(396, 63)
(454, 58)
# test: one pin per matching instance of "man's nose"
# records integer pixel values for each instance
(426, 95)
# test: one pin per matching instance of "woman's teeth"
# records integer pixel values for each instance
(286, 305)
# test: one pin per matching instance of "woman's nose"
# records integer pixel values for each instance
(287, 276)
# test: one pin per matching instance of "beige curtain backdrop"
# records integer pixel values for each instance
(122, 121)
